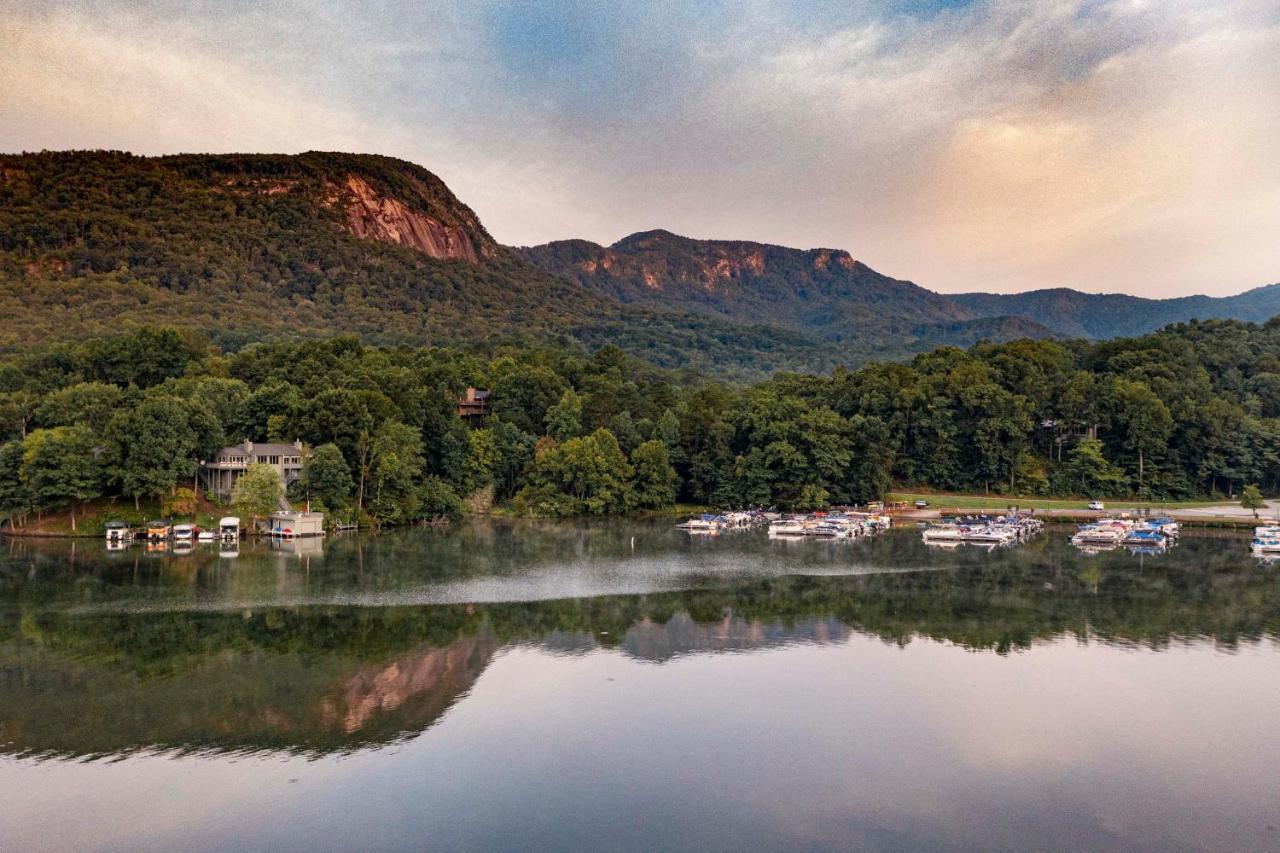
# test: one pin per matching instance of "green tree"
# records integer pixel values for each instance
(584, 476)
(154, 446)
(60, 466)
(1251, 498)
(655, 479)
(564, 419)
(395, 495)
(90, 403)
(1087, 472)
(15, 497)
(258, 492)
(1145, 423)
(326, 477)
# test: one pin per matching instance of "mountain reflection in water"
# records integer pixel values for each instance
(104, 655)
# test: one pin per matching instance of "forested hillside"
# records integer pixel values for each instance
(252, 247)
(823, 292)
(246, 248)
(1191, 410)
(1071, 313)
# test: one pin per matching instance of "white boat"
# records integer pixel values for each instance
(943, 533)
(1266, 544)
(229, 528)
(207, 536)
(995, 534)
(118, 531)
(184, 532)
(787, 527)
(1106, 532)
(705, 524)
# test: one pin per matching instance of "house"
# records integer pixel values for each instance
(473, 407)
(1060, 433)
(221, 473)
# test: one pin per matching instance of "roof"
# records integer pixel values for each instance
(263, 449)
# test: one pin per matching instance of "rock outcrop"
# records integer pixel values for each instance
(374, 216)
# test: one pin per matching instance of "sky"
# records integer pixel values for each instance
(1002, 145)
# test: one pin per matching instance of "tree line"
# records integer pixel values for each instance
(1189, 411)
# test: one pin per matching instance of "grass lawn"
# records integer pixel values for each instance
(937, 500)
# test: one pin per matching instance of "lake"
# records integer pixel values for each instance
(624, 686)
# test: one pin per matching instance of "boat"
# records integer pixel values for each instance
(1146, 537)
(1106, 532)
(1266, 541)
(943, 533)
(118, 531)
(229, 528)
(787, 527)
(157, 531)
(824, 530)
(185, 532)
(207, 536)
(703, 524)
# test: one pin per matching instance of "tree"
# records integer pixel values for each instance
(181, 503)
(15, 497)
(60, 466)
(564, 419)
(523, 393)
(326, 477)
(655, 479)
(154, 446)
(258, 491)
(1144, 421)
(1251, 498)
(90, 403)
(1087, 472)
(584, 476)
(396, 471)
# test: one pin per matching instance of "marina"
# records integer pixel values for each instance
(1146, 536)
(989, 531)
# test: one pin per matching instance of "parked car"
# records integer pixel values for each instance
(1096, 505)
(921, 503)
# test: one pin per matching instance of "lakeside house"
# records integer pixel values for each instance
(220, 474)
(474, 406)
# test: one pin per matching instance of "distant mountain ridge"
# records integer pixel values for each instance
(828, 293)
(1109, 315)
(824, 292)
(247, 247)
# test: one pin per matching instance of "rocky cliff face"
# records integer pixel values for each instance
(372, 215)
(823, 291)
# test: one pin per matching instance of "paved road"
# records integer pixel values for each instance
(1233, 510)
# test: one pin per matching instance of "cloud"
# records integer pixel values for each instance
(1002, 144)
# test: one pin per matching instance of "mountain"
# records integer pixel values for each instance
(827, 293)
(824, 292)
(246, 247)
(1109, 315)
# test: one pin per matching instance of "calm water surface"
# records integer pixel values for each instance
(504, 686)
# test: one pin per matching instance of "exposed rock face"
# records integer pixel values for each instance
(429, 679)
(372, 216)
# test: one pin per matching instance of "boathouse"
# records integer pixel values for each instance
(294, 524)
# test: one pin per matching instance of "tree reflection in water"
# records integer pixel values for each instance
(372, 639)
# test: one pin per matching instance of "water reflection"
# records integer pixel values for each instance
(366, 641)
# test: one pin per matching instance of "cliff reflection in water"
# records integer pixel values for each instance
(108, 654)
